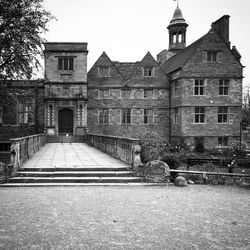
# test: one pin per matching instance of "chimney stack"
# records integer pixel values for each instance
(221, 26)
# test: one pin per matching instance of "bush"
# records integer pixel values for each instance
(152, 147)
(237, 150)
(206, 167)
(172, 160)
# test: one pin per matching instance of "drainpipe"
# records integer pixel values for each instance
(169, 108)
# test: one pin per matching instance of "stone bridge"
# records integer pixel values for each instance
(103, 160)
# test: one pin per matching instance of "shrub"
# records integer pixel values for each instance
(173, 162)
(237, 150)
(171, 159)
(152, 146)
(207, 167)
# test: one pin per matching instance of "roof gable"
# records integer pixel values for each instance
(137, 78)
(103, 61)
(115, 77)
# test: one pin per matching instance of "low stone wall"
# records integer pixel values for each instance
(125, 149)
(23, 148)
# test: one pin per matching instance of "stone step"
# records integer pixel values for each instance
(77, 169)
(83, 184)
(74, 179)
(74, 173)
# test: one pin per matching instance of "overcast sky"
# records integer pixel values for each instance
(127, 29)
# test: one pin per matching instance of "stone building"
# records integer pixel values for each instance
(190, 94)
(206, 84)
(127, 99)
(65, 88)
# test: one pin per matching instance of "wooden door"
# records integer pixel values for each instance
(65, 121)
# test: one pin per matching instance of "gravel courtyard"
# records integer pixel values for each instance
(135, 217)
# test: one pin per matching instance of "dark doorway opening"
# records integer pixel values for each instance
(65, 121)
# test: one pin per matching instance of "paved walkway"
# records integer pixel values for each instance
(71, 155)
(125, 218)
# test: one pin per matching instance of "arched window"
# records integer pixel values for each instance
(174, 37)
(179, 37)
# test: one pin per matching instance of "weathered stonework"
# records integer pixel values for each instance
(129, 99)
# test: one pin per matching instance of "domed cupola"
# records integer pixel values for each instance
(177, 31)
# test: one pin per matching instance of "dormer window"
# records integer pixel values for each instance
(148, 71)
(104, 71)
(65, 63)
(211, 56)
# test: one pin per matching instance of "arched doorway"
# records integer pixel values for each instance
(65, 121)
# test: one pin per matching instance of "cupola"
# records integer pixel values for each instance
(177, 31)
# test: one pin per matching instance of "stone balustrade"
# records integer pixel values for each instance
(124, 149)
(23, 148)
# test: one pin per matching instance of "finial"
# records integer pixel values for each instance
(177, 3)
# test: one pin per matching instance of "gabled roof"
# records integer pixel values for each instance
(126, 68)
(103, 60)
(181, 58)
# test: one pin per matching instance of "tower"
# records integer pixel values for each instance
(65, 88)
(177, 31)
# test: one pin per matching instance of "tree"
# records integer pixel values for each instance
(22, 25)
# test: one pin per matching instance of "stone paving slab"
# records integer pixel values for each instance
(124, 218)
(71, 154)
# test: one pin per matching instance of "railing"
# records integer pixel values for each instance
(124, 149)
(23, 148)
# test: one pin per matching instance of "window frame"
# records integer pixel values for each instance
(176, 88)
(224, 141)
(103, 71)
(101, 94)
(148, 116)
(212, 56)
(145, 96)
(223, 115)
(199, 85)
(26, 112)
(199, 114)
(65, 63)
(148, 71)
(103, 116)
(175, 116)
(224, 87)
(126, 116)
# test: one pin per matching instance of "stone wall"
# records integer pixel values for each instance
(78, 51)
(137, 103)
(197, 67)
(106, 93)
(24, 148)
(125, 149)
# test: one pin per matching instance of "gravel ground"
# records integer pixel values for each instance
(142, 217)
